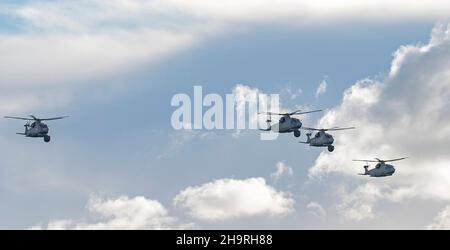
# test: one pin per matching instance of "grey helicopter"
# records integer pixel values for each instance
(381, 169)
(322, 138)
(35, 128)
(286, 123)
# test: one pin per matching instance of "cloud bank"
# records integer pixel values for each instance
(57, 42)
(227, 199)
(123, 213)
(407, 114)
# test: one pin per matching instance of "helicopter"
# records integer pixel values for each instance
(35, 128)
(286, 123)
(322, 138)
(381, 169)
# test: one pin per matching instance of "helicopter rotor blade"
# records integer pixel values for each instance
(328, 129)
(381, 160)
(366, 160)
(398, 159)
(34, 118)
(313, 129)
(19, 118)
(54, 118)
(269, 113)
(338, 129)
(299, 112)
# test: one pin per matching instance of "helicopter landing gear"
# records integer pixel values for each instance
(331, 148)
(297, 133)
(47, 138)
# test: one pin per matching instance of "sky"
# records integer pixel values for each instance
(117, 163)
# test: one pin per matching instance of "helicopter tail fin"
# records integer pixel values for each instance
(308, 137)
(366, 169)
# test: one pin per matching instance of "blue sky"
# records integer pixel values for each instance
(119, 141)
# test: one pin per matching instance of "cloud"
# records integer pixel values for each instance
(407, 114)
(292, 94)
(62, 42)
(358, 204)
(123, 213)
(227, 199)
(316, 209)
(58, 59)
(321, 89)
(282, 170)
(56, 40)
(442, 220)
(25, 102)
(307, 12)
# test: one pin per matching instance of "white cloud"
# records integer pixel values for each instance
(226, 199)
(248, 103)
(66, 58)
(62, 41)
(408, 114)
(359, 204)
(321, 89)
(442, 220)
(282, 170)
(19, 102)
(246, 97)
(306, 12)
(123, 213)
(316, 209)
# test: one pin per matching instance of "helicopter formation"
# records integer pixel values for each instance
(35, 128)
(289, 124)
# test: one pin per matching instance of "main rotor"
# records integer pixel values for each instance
(327, 129)
(297, 112)
(383, 161)
(36, 119)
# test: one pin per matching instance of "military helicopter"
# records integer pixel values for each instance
(322, 138)
(381, 169)
(35, 128)
(286, 124)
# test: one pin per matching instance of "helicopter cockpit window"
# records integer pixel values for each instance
(33, 125)
(317, 135)
(378, 165)
(282, 119)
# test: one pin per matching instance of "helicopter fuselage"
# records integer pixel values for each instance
(36, 130)
(380, 170)
(286, 124)
(320, 139)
